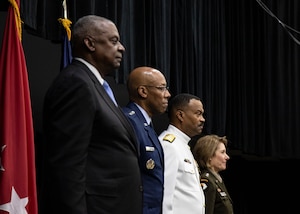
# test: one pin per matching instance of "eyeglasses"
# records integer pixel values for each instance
(161, 88)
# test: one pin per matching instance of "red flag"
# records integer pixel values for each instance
(17, 157)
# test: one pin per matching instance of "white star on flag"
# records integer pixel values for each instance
(16, 205)
(1, 166)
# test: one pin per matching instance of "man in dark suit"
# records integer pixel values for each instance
(91, 152)
(148, 94)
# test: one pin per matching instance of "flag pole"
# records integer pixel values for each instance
(66, 56)
(65, 21)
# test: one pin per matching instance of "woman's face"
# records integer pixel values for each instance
(220, 158)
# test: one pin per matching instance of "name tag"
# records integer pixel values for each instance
(150, 148)
(223, 194)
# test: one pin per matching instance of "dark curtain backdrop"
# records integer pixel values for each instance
(263, 93)
(238, 59)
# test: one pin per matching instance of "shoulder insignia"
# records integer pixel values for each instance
(169, 137)
(203, 180)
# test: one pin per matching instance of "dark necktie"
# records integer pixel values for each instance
(151, 124)
(109, 92)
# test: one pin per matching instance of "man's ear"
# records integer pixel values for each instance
(179, 114)
(142, 91)
(89, 44)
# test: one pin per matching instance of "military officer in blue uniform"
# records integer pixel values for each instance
(148, 95)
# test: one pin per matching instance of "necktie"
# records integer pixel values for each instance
(151, 124)
(109, 92)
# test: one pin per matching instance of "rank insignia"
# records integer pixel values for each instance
(150, 164)
(169, 137)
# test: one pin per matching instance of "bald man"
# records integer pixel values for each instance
(148, 95)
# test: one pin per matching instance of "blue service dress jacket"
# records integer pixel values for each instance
(151, 160)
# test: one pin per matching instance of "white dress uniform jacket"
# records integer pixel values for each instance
(182, 190)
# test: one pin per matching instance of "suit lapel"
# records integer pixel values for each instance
(116, 109)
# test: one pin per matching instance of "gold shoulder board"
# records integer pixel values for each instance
(169, 137)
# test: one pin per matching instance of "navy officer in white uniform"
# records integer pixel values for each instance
(182, 190)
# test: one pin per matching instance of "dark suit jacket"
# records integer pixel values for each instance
(91, 154)
(151, 160)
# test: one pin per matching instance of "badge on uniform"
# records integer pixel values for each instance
(223, 194)
(132, 113)
(187, 161)
(150, 164)
(203, 185)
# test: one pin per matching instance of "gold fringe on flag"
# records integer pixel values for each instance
(18, 17)
(66, 23)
